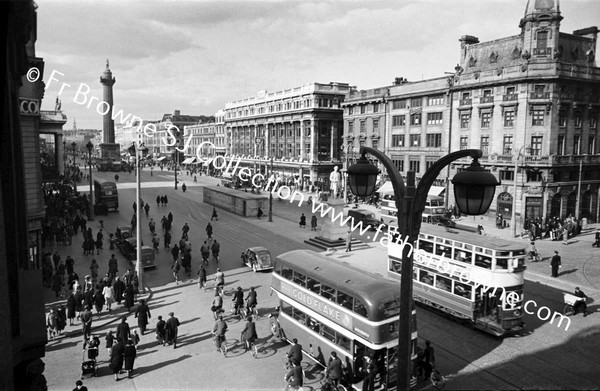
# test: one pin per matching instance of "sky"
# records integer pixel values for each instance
(195, 56)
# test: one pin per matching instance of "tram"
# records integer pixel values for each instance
(468, 276)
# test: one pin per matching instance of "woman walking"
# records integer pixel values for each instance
(129, 355)
(71, 308)
(116, 358)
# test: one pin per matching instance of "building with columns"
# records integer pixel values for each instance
(531, 102)
(300, 128)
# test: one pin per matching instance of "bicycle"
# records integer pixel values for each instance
(289, 386)
(328, 384)
(220, 344)
(251, 345)
(253, 310)
(533, 256)
(437, 380)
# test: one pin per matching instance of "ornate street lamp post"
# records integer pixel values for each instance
(89, 147)
(474, 190)
(138, 152)
(75, 172)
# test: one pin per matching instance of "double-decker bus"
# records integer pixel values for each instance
(106, 197)
(332, 306)
(434, 210)
(469, 276)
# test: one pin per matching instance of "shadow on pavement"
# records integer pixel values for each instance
(564, 273)
(153, 367)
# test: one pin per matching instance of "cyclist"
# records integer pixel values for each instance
(249, 333)
(533, 253)
(238, 299)
(295, 353)
(216, 247)
(251, 300)
(219, 279)
(219, 330)
(294, 376)
(580, 303)
(205, 251)
(334, 369)
(217, 304)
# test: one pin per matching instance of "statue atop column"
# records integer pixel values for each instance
(334, 179)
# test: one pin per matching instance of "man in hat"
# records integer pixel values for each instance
(142, 313)
(86, 322)
(238, 299)
(171, 327)
(580, 303)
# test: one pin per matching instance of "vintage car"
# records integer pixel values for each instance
(367, 218)
(128, 249)
(257, 258)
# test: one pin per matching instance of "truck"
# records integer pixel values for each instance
(106, 197)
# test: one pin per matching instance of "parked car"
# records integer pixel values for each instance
(128, 247)
(257, 258)
(367, 218)
(126, 231)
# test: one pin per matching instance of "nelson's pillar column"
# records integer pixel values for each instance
(108, 148)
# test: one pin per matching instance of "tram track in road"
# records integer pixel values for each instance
(479, 368)
(529, 358)
(586, 268)
(234, 229)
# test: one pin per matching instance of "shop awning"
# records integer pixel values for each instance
(387, 188)
(161, 158)
(189, 160)
(436, 191)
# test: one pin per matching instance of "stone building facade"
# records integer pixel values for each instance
(531, 102)
(300, 128)
(22, 330)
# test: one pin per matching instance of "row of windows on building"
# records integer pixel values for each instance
(537, 119)
(432, 140)
(538, 116)
(535, 146)
(296, 104)
(434, 100)
(280, 131)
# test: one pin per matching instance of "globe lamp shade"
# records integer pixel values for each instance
(474, 189)
(362, 177)
(89, 146)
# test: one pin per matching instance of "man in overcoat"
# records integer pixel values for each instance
(171, 328)
(142, 313)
